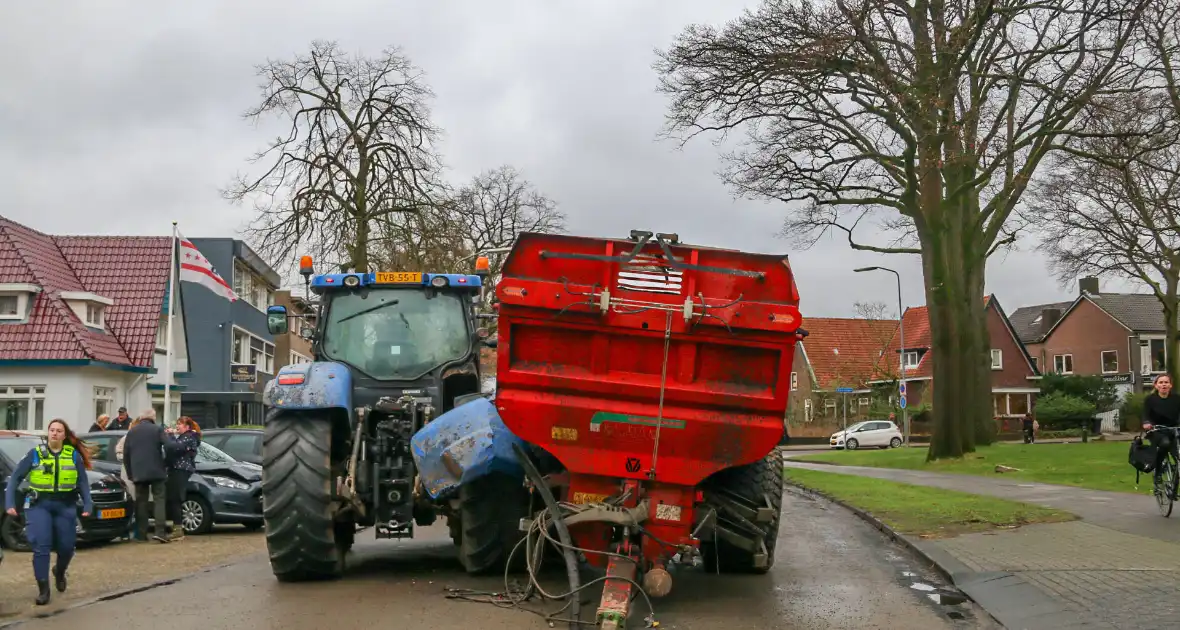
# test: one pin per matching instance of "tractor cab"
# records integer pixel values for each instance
(396, 332)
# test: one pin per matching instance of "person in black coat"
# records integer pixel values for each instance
(143, 458)
(1162, 409)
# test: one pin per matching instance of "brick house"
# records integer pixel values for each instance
(82, 327)
(1014, 377)
(837, 353)
(1119, 336)
(292, 348)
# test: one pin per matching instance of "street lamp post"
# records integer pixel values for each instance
(905, 415)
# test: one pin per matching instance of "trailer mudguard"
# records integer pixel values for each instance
(462, 445)
(318, 385)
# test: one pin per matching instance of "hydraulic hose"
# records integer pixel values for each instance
(563, 533)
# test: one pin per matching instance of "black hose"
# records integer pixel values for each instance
(563, 533)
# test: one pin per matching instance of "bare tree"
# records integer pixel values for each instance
(1111, 205)
(881, 331)
(925, 119)
(359, 148)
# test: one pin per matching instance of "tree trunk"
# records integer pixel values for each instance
(954, 274)
(1171, 304)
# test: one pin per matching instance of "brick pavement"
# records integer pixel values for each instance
(1118, 567)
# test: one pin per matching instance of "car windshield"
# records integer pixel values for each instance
(207, 454)
(396, 334)
(857, 426)
(15, 448)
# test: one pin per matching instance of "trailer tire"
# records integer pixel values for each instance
(490, 509)
(302, 538)
(747, 485)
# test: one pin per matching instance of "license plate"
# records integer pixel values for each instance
(113, 513)
(398, 277)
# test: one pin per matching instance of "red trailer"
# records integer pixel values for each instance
(657, 374)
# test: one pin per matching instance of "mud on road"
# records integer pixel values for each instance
(101, 569)
(831, 571)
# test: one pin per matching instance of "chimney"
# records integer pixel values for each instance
(1089, 285)
(1049, 316)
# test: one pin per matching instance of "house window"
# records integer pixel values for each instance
(1110, 361)
(807, 410)
(1036, 363)
(1157, 355)
(794, 381)
(863, 402)
(23, 407)
(162, 334)
(251, 350)
(158, 405)
(830, 406)
(297, 358)
(10, 307)
(1063, 363)
(104, 401)
(1010, 404)
(997, 359)
(252, 289)
(909, 359)
(94, 315)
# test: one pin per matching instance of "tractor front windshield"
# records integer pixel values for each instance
(396, 334)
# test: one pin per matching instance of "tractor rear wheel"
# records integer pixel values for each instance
(490, 509)
(754, 486)
(303, 540)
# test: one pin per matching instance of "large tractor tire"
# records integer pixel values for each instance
(754, 486)
(303, 540)
(490, 509)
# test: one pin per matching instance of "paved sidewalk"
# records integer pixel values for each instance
(1119, 567)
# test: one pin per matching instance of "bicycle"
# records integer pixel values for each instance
(1165, 476)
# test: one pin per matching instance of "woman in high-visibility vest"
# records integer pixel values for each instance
(56, 472)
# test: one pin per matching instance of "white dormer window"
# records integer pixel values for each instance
(162, 334)
(16, 301)
(89, 307)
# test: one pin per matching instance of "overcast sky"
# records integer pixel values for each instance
(121, 116)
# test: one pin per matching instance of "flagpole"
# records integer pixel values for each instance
(168, 357)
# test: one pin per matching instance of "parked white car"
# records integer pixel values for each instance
(879, 433)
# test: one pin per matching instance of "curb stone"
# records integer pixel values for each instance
(119, 593)
(1007, 598)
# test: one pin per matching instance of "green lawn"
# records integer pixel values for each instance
(923, 511)
(1096, 465)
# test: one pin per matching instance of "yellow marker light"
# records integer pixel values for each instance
(482, 264)
(305, 263)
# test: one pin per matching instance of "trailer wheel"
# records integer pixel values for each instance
(303, 541)
(490, 509)
(750, 486)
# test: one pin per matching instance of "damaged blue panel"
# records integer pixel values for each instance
(461, 445)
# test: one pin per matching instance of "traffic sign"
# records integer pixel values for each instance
(901, 388)
(902, 401)
(844, 390)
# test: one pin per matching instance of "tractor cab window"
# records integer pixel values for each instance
(396, 334)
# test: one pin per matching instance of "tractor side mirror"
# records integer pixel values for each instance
(276, 320)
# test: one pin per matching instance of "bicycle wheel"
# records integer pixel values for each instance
(1165, 487)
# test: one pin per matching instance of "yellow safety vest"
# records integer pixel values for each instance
(53, 473)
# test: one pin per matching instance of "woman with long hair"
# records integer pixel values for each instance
(181, 465)
(56, 471)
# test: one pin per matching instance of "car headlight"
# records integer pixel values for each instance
(226, 482)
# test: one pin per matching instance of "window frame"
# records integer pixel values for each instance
(104, 394)
(19, 310)
(35, 394)
(808, 410)
(1062, 369)
(997, 358)
(1102, 361)
(905, 359)
(268, 367)
(794, 380)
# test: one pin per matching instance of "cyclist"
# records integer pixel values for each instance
(1162, 409)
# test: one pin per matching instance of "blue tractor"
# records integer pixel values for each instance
(392, 351)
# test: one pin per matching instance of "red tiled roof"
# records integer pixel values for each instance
(916, 326)
(848, 352)
(131, 271)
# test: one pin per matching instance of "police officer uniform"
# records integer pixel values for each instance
(55, 481)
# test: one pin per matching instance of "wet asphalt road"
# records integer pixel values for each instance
(832, 571)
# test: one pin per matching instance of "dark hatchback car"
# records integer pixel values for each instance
(112, 509)
(242, 444)
(223, 490)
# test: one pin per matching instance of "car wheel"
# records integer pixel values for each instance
(851, 444)
(895, 442)
(196, 517)
(12, 532)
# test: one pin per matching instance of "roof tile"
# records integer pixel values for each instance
(847, 352)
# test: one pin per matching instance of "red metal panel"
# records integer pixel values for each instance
(586, 383)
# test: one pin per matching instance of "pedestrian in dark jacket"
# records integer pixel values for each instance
(143, 458)
(100, 424)
(56, 472)
(182, 463)
(122, 422)
(1161, 408)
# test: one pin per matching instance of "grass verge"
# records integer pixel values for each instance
(1096, 465)
(922, 511)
